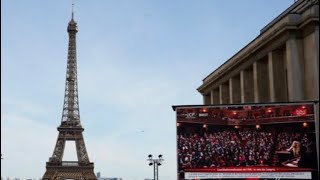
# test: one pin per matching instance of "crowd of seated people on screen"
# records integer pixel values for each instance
(225, 148)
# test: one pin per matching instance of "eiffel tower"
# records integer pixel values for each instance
(70, 128)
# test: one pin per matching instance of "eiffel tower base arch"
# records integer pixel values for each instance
(69, 172)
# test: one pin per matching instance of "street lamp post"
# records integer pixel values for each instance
(155, 163)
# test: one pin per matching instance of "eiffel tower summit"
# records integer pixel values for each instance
(70, 128)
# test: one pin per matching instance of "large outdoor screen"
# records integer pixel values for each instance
(259, 141)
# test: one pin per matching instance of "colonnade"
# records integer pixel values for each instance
(287, 73)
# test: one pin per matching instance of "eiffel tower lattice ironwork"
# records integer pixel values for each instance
(70, 128)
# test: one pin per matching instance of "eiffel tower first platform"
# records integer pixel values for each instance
(70, 128)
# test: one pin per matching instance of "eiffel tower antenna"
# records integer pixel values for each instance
(70, 128)
(72, 11)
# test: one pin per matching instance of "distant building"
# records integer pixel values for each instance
(98, 175)
(106, 178)
(17, 178)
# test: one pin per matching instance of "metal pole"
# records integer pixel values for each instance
(154, 171)
(157, 172)
(156, 163)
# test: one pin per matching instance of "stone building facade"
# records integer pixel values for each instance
(280, 65)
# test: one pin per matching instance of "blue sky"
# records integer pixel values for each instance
(136, 58)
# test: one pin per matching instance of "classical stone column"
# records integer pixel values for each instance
(211, 97)
(224, 93)
(294, 55)
(215, 96)
(277, 76)
(311, 62)
(230, 90)
(246, 85)
(220, 94)
(255, 82)
(271, 77)
(261, 80)
(206, 99)
(235, 89)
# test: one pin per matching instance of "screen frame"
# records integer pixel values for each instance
(314, 103)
